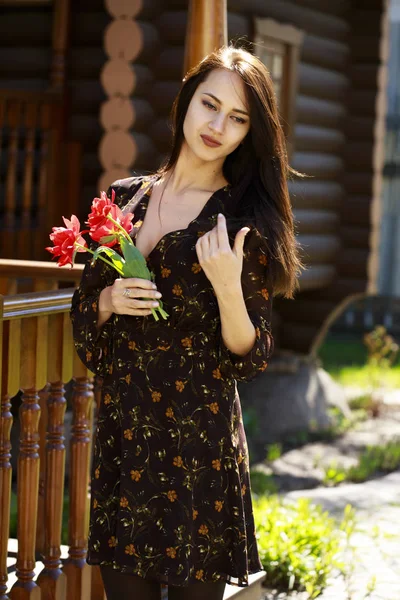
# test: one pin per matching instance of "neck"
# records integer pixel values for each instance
(192, 173)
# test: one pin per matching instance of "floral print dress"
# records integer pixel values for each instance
(170, 488)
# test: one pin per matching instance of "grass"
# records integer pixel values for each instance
(345, 358)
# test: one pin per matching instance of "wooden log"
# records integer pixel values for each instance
(239, 26)
(362, 102)
(313, 21)
(310, 138)
(85, 96)
(84, 61)
(324, 52)
(319, 82)
(121, 9)
(124, 40)
(322, 166)
(353, 262)
(316, 277)
(85, 129)
(338, 7)
(358, 183)
(355, 237)
(356, 211)
(364, 76)
(172, 26)
(337, 290)
(61, 19)
(76, 569)
(316, 111)
(160, 133)
(87, 26)
(151, 46)
(314, 194)
(370, 19)
(316, 221)
(162, 95)
(170, 64)
(359, 128)
(359, 155)
(318, 249)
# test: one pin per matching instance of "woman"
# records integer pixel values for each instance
(170, 478)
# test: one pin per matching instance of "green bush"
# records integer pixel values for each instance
(300, 544)
(374, 459)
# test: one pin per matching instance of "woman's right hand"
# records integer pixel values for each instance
(114, 299)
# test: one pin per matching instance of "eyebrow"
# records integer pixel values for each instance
(242, 112)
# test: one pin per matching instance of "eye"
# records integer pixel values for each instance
(239, 120)
(209, 105)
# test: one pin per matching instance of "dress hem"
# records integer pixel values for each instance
(159, 577)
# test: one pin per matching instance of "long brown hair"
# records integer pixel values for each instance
(258, 169)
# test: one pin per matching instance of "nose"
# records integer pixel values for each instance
(218, 123)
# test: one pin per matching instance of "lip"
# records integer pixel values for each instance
(209, 141)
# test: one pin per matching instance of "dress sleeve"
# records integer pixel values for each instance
(93, 345)
(257, 285)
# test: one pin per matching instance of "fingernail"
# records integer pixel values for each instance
(154, 303)
(158, 295)
(220, 215)
(154, 286)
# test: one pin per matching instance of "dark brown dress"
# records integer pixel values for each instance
(170, 477)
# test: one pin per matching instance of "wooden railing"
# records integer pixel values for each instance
(38, 359)
(19, 276)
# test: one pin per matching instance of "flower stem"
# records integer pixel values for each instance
(110, 218)
(108, 262)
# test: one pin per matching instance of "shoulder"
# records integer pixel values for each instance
(125, 189)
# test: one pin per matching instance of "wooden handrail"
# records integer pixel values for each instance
(37, 268)
(36, 303)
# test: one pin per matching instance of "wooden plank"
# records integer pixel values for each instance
(324, 52)
(316, 221)
(322, 166)
(319, 249)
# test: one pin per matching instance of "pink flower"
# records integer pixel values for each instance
(65, 240)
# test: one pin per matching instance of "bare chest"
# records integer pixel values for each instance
(169, 216)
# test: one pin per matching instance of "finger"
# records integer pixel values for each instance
(222, 233)
(199, 250)
(136, 303)
(239, 241)
(213, 241)
(137, 282)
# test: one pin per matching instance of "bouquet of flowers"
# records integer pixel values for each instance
(110, 228)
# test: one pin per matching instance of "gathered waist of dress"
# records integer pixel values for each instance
(188, 338)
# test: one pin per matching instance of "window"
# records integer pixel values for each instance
(278, 46)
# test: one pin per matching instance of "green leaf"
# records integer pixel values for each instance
(107, 238)
(135, 263)
(116, 258)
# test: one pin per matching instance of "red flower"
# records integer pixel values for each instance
(65, 240)
(101, 225)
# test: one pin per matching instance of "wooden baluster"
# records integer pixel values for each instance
(25, 246)
(7, 367)
(13, 122)
(33, 372)
(40, 527)
(52, 579)
(77, 570)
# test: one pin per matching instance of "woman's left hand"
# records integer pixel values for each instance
(221, 263)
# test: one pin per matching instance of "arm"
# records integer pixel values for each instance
(246, 339)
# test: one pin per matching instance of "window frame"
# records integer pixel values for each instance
(270, 32)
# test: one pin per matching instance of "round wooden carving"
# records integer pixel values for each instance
(117, 113)
(118, 78)
(122, 9)
(117, 149)
(123, 39)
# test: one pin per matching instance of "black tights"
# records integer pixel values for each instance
(124, 586)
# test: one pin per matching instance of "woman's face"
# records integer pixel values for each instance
(217, 119)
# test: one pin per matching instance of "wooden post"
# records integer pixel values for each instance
(5, 455)
(77, 570)
(206, 30)
(33, 372)
(60, 44)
